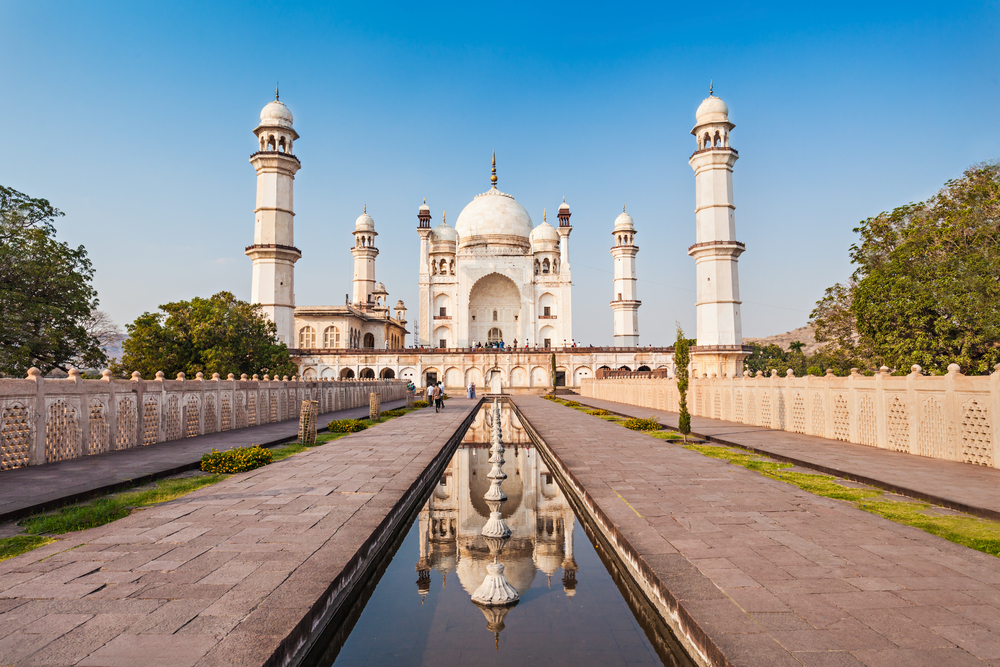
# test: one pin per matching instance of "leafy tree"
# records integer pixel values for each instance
(217, 335)
(46, 296)
(926, 288)
(682, 357)
(796, 346)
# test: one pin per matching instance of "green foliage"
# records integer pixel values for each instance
(926, 284)
(682, 358)
(572, 404)
(348, 425)
(550, 397)
(599, 412)
(237, 459)
(46, 296)
(110, 508)
(217, 335)
(639, 424)
(19, 544)
(399, 412)
(420, 404)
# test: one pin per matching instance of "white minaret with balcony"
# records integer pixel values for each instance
(273, 251)
(719, 349)
(364, 252)
(625, 304)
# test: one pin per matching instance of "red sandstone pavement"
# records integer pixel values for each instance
(35, 488)
(961, 486)
(226, 574)
(767, 574)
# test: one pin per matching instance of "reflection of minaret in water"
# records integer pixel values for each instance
(495, 591)
(569, 563)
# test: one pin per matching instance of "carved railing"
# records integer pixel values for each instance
(953, 416)
(45, 420)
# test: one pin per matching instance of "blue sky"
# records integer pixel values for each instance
(136, 118)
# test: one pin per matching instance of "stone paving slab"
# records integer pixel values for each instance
(227, 575)
(759, 572)
(961, 486)
(32, 489)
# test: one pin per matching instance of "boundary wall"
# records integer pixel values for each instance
(46, 420)
(952, 417)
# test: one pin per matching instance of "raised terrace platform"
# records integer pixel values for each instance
(238, 573)
(32, 489)
(757, 572)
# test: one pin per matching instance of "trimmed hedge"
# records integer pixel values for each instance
(599, 412)
(572, 404)
(237, 459)
(348, 425)
(420, 404)
(639, 424)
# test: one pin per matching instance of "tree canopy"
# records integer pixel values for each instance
(220, 334)
(46, 297)
(926, 287)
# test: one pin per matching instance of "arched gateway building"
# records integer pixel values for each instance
(493, 277)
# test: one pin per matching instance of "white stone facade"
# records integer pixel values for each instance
(626, 303)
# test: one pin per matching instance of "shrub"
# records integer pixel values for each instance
(237, 459)
(599, 412)
(445, 397)
(399, 412)
(572, 404)
(639, 424)
(550, 397)
(420, 404)
(347, 425)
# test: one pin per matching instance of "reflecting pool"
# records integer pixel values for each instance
(573, 608)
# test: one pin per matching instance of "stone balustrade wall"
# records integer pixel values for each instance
(952, 416)
(45, 420)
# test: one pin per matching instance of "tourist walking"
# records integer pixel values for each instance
(436, 396)
(440, 396)
(472, 390)
(430, 394)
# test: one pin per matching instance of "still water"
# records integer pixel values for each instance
(571, 611)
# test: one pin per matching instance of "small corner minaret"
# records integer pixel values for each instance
(625, 305)
(273, 251)
(364, 252)
(720, 333)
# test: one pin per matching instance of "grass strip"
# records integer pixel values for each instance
(20, 544)
(969, 531)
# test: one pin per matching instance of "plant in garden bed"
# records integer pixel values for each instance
(640, 424)
(551, 397)
(399, 412)
(599, 412)
(237, 459)
(347, 425)
(420, 404)
(572, 404)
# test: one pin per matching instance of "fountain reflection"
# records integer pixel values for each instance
(528, 522)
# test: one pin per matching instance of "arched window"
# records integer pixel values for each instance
(346, 373)
(307, 338)
(495, 335)
(444, 266)
(367, 374)
(331, 337)
(538, 267)
(281, 145)
(545, 265)
(451, 267)
(495, 316)
(387, 374)
(262, 143)
(369, 342)
(270, 142)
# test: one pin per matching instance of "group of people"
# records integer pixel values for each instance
(435, 396)
(501, 345)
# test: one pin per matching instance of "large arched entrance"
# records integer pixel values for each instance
(494, 310)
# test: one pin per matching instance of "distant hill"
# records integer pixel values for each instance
(806, 334)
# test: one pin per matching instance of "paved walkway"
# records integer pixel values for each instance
(232, 574)
(762, 573)
(960, 486)
(32, 489)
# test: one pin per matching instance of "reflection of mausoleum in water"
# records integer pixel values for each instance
(540, 518)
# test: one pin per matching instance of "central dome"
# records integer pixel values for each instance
(493, 218)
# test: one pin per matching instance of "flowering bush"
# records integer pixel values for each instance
(420, 404)
(237, 459)
(572, 404)
(348, 425)
(599, 412)
(550, 397)
(394, 413)
(639, 424)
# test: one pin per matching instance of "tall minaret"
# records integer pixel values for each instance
(273, 251)
(565, 275)
(720, 333)
(422, 332)
(364, 252)
(625, 305)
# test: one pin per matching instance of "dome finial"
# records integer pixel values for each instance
(425, 200)
(493, 178)
(444, 217)
(276, 92)
(366, 209)
(623, 207)
(711, 86)
(543, 216)
(564, 199)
